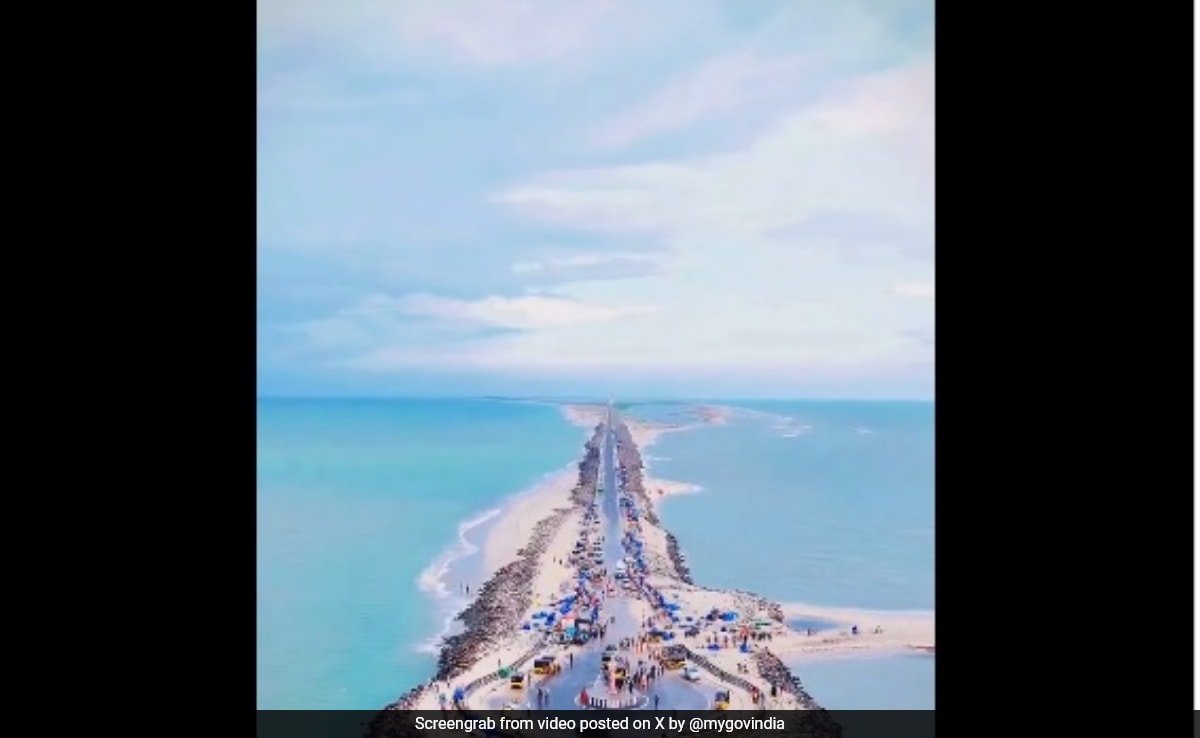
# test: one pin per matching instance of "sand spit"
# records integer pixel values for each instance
(736, 637)
(502, 602)
(497, 612)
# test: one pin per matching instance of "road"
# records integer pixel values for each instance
(673, 692)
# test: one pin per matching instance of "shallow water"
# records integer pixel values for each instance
(818, 502)
(827, 503)
(818, 625)
(892, 682)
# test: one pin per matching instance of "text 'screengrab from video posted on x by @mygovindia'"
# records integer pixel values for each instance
(554, 724)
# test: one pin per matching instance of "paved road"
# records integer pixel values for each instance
(673, 692)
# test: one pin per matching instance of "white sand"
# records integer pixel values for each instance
(516, 523)
(505, 540)
(644, 435)
(585, 416)
(555, 576)
(902, 630)
(511, 533)
(657, 489)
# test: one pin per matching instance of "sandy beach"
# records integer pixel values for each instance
(530, 548)
(646, 434)
(516, 522)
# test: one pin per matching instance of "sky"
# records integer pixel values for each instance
(704, 198)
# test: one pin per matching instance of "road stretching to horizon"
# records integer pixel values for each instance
(563, 689)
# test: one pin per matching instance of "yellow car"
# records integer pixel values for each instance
(721, 701)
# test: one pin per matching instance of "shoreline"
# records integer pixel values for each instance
(524, 557)
(522, 566)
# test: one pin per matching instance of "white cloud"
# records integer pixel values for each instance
(786, 312)
(734, 292)
(738, 284)
(721, 85)
(865, 150)
(528, 312)
(380, 319)
(583, 260)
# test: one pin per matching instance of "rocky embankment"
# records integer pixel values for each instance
(496, 612)
(630, 466)
(630, 471)
(677, 560)
(817, 721)
(629, 459)
(781, 677)
(589, 470)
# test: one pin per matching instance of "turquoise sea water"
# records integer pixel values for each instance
(896, 682)
(368, 509)
(360, 504)
(819, 502)
(827, 503)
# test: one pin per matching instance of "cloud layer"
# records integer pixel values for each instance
(568, 192)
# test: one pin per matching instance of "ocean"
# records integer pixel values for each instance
(825, 503)
(365, 508)
(369, 512)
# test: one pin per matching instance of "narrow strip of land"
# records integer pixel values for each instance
(592, 606)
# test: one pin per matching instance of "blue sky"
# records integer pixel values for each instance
(678, 197)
